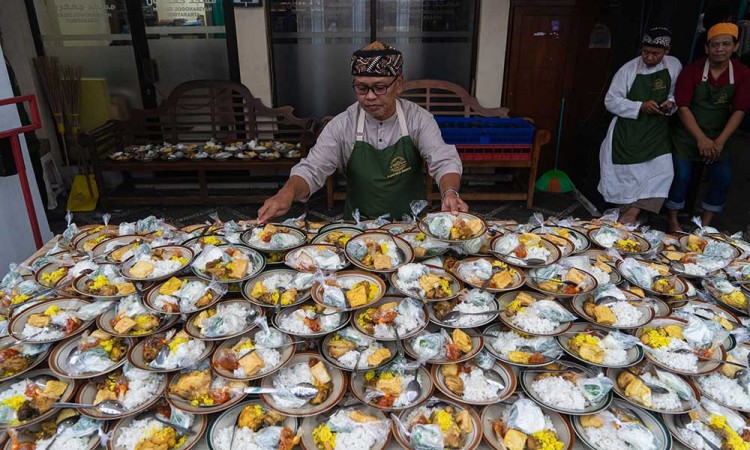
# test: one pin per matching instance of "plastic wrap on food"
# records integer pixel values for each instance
(507, 243)
(610, 215)
(302, 281)
(271, 338)
(606, 236)
(94, 310)
(637, 272)
(595, 389)
(734, 420)
(440, 225)
(609, 291)
(357, 248)
(411, 272)
(719, 249)
(526, 416)
(484, 360)
(427, 437)
(341, 421)
(417, 206)
(551, 310)
(93, 360)
(698, 334)
(676, 384)
(474, 246)
(209, 253)
(637, 436)
(617, 340)
(428, 345)
(353, 335)
(477, 297)
(80, 267)
(181, 418)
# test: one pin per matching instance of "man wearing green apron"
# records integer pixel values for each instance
(635, 158)
(712, 95)
(381, 144)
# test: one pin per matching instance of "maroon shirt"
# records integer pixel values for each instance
(691, 76)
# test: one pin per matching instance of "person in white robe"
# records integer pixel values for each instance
(635, 157)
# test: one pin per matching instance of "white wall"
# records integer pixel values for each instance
(493, 37)
(254, 51)
(16, 239)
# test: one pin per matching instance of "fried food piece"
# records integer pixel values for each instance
(125, 288)
(361, 417)
(239, 268)
(463, 419)
(251, 363)
(192, 385)
(674, 331)
(625, 378)
(449, 370)
(455, 384)
(519, 357)
(589, 308)
(39, 320)
(104, 394)
(638, 391)
(171, 286)
(389, 386)
(592, 420)
(320, 373)
(141, 269)
(604, 315)
(250, 417)
(124, 325)
(338, 347)
(591, 352)
(55, 388)
(501, 280)
(377, 358)
(288, 297)
(381, 262)
(357, 295)
(729, 370)
(461, 340)
(575, 275)
(515, 440)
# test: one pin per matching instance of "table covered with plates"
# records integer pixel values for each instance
(441, 332)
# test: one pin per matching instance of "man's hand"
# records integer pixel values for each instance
(275, 206)
(706, 148)
(451, 202)
(666, 107)
(650, 107)
(718, 147)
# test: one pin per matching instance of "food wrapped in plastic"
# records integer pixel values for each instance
(71, 229)
(702, 334)
(719, 249)
(606, 236)
(678, 385)
(353, 335)
(551, 310)
(477, 297)
(181, 418)
(484, 360)
(357, 249)
(474, 246)
(412, 272)
(507, 243)
(616, 340)
(709, 407)
(637, 436)
(440, 225)
(428, 345)
(341, 421)
(209, 253)
(270, 338)
(79, 268)
(641, 274)
(595, 389)
(526, 416)
(230, 318)
(609, 291)
(427, 437)
(481, 268)
(94, 360)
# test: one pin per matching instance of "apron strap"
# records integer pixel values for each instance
(360, 136)
(705, 72)
(401, 119)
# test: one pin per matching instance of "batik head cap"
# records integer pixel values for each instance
(723, 28)
(377, 60)
(659, 37)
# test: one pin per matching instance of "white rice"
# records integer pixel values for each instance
(509, 341)
(695, 269)
(678, 361)
(41, 334)
(356, 439)
(666, 402)
(626, 314)
(410, 318)
(142, 387)
(476, 386)
(402, 400)
(184, 355)
(295, 322)
(271, 358)
(64, 442)
(467, 321)
(537, 253)
(689, 433)
(531, 323)
(615, 357)
(350, 358)
(243, 439)
(601, 276)
(288, 377)
(558, 393)
(725, 390)
(137, 431)
(604, 438)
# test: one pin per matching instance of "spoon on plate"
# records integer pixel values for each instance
(108, 407)
(160, 418)
(686, 351)
(524, 261)
(413, 390)
(495, 270)
(61, 427)
(304, 391)
(454, 315)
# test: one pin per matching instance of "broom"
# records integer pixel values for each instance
(556, 180)
(71, 84)
(48, 71)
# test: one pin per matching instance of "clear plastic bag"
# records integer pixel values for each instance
(416, 207)
(551, 310)
(484, 360)
(637, 436)
(440, 225)
(94, 310)
(333, 295)
(507, 243)
(537, 220)
(353, 335)
(676, 384)
(615, 340)
(595, 389)
(526, 416)
(698, 333)
(428, 345)
(180, 418)
(427, 437)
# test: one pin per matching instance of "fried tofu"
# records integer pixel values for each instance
(171, 286)
(515, 440)
(389, 386)
(639, 392)
(729, 370)
(591, 352)
(361, 417)
(462, 340)
(606, 268)
(501, 280)
(320, 373)
(381, 262)
(637, 291)
(141, 269)
(104, 394)
(575, 275)
(124, 325)
(727, 325)
(251, 363)
(55, 388)
(239, 268)
(604, 315)
(674, 331)
(375, 359)
(357, 296)
(125, 288)
(39, 320)
(592, 421)
(119, 253)
(449, 370)
(519, 357)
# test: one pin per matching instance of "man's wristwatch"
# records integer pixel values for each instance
(449, 191)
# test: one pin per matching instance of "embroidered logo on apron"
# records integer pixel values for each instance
(659, 85)
(398, 166)
(721, 99)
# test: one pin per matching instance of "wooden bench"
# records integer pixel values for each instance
(443, 98)
(194, 112)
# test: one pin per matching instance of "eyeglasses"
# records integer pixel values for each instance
(379, 89)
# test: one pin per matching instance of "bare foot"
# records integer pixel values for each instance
(630, 216)
(706, 218)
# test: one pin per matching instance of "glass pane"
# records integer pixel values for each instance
(186, 40)
(94, 34)
(436, 37)
(313, 41)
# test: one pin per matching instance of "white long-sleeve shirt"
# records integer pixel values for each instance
(617, 101)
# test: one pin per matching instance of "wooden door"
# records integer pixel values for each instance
(540, 63)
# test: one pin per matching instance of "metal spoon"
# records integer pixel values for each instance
(61, 427)
(526, 262)
(685, 421)
(495, 270)
(109, 407)
(685, 351)
(413, 389)
(565, 282)
(303, 391)
(159, 418)
(455, 315)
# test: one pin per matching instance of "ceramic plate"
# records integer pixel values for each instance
(633, 354)
(149, 298)
(380, 238)
(193, 330)
(471, 440)
(650, 421)
(362, 327)
(199, 426)
(685, 406)
(286, 352)
(359, 390)
(247, 288)
(257, 263)
(279, 318)
(19, 320)
(500, 373)
(515, 343)
(347, 278)
(60, 356)
(301, 258)
(477, 343)
(647, 313)
(33, 360)
(588, 284)
(504, 300)
(87, 395)
(455, 285)
(39, 376)
(185, 253)
(526, 379)
(425, 228)
(299, 235)
(553, 257)
(310, 423)
(518, 277)
(229, 418)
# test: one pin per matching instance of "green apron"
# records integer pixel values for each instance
(639, 140)
(711, 107)
(383, 181)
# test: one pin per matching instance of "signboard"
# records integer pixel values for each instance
(247, 3)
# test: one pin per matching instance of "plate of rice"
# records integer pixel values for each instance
(287, 286)
(444, 226)
(620, 239)
(348, 290)
(118, 249)
(27, 400)
(378, 320)
(652, 277)
(227, 319)
(314, 257)
(132, 434)
(182, 295)
(425, 282)
(541, 426)
(306, 368)
(728, 295)
(130, 318)
(228, 263)
(629, 312)
(90, 355)
(579, 240)
(19, 359)
(56, 276)
(385, 387)
(468, 301)
(721, 426)
(198, 243)
(274, 237)
(378, 251)
(252, 424)
(356, 427)
(169, 352)
(476, 271)
(710, 313)
(49, 321)
(87, 240)
(722, 387)
(253, 355)
(136, 389)
(83, 434)
(599, 346)
(695, 265)
(158, 264)
(434, 345)
(348, 349)
(568, 389)
(440, 420)
(517, 249)
(519, 314)
(338, 236)
(682, 395)
(706, 245)
(663, 337)
(105, 282)
(473, 385)
(424, 246)
(200, 391)
(622, 427)
(310, 320)
(553, 280)
(604, 263)
(521, 349)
